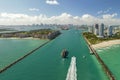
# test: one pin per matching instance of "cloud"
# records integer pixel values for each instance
(52, 2)
(33, 9)
(109, 16)
(100, 12)
(64, 18)
(104, 11)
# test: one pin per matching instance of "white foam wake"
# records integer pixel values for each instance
(72, 71)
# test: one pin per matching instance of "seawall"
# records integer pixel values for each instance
(104, 66)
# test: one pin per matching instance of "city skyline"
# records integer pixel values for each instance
(59, 12)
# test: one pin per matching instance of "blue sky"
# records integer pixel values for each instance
(73, 7)
(77, 10)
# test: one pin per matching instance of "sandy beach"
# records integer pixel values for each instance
(106, 44)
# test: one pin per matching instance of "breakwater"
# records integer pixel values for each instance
(2, 70)
(105, 68)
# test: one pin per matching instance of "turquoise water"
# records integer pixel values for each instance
(13, 49)
(47, 64)
(111, 57)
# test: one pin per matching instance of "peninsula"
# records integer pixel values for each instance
(97, 42)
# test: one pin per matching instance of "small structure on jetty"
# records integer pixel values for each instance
(91, 52)
(64, 53)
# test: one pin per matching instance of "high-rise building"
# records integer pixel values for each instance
(110, 30)
(96, 29)
(101, 30)
(90, 29)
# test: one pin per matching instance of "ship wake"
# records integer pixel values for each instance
(72, 71)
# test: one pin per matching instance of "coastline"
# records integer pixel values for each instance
(104, 66)
(106, 44)
(24, 38)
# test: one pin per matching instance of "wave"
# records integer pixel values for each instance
(100, 50)
(72, 71)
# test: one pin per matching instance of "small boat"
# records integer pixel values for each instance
(84, 56)
(64, 53)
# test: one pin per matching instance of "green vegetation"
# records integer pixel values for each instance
(41, 31)
(93, 39)
(117, 35)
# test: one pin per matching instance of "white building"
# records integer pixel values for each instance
(101, 30)
(110, 30)
(90, 29)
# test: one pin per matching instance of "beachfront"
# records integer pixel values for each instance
(106, 44)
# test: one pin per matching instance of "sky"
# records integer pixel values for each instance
(20, 12)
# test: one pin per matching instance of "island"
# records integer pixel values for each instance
(40, 33)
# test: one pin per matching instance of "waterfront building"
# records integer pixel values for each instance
(96, 29)
(91, 29)
(110, 30)
(101, 30)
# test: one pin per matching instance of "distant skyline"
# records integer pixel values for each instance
(59, 12)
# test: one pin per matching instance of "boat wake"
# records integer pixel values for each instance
(72, 71)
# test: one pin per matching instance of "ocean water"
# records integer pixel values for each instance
(47, 64)
(13, 49)
(111, 57)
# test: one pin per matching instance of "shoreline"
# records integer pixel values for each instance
(104, 66)
(106, 44)
(24, 38)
